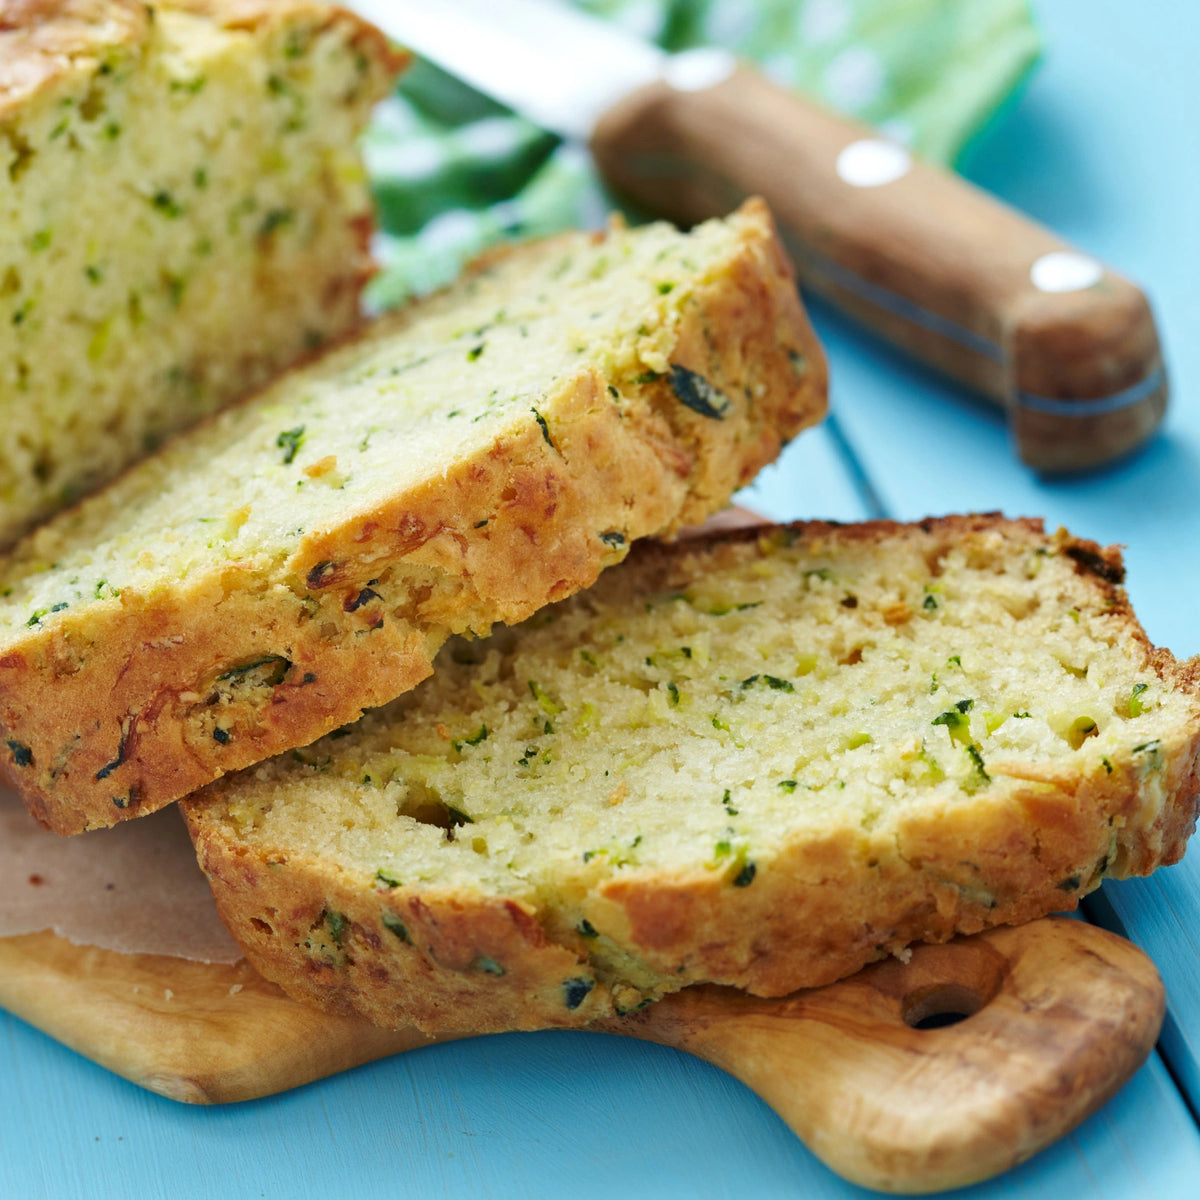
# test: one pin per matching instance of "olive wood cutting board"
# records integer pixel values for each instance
(1056, 1016)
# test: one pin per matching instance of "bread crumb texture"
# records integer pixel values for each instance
(185, 212)
(761, 761)
(293, 560)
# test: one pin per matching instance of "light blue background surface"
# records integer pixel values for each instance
(1105, 147)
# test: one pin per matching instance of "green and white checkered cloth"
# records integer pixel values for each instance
(454, 172)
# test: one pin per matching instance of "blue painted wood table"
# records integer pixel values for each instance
(1103, 148)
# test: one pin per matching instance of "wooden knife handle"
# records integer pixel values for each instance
(1062, 1014)
(1065, 345)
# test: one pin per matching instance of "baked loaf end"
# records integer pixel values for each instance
(184, 214)
(758, 760)
(296, 559)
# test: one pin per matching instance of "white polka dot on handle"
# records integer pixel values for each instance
(1065, 271)
(872, 162)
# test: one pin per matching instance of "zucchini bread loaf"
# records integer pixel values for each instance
(184, 214)
(265, 577)
(763, 760)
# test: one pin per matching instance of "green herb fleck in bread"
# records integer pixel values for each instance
(184, 214)
(761, 760)
(264, 578)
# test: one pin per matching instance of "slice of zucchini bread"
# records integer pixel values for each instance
(184, 214)
(298, 558)
(763, 760)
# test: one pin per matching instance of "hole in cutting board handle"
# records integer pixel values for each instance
(939, 1004)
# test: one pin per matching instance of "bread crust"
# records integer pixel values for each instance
(103, 702)
(43, 42)
(829, 903)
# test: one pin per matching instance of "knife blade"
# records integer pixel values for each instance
(525, 56)
(1066, 346)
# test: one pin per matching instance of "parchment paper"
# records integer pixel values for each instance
(135, 889)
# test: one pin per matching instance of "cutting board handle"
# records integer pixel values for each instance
(1058, 1015)
(1065, 1013)
(1065, 345)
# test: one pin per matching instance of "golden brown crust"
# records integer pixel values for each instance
(108, 705)
(827, 905)
(423, 958)
(830, 907)
(42, 41)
